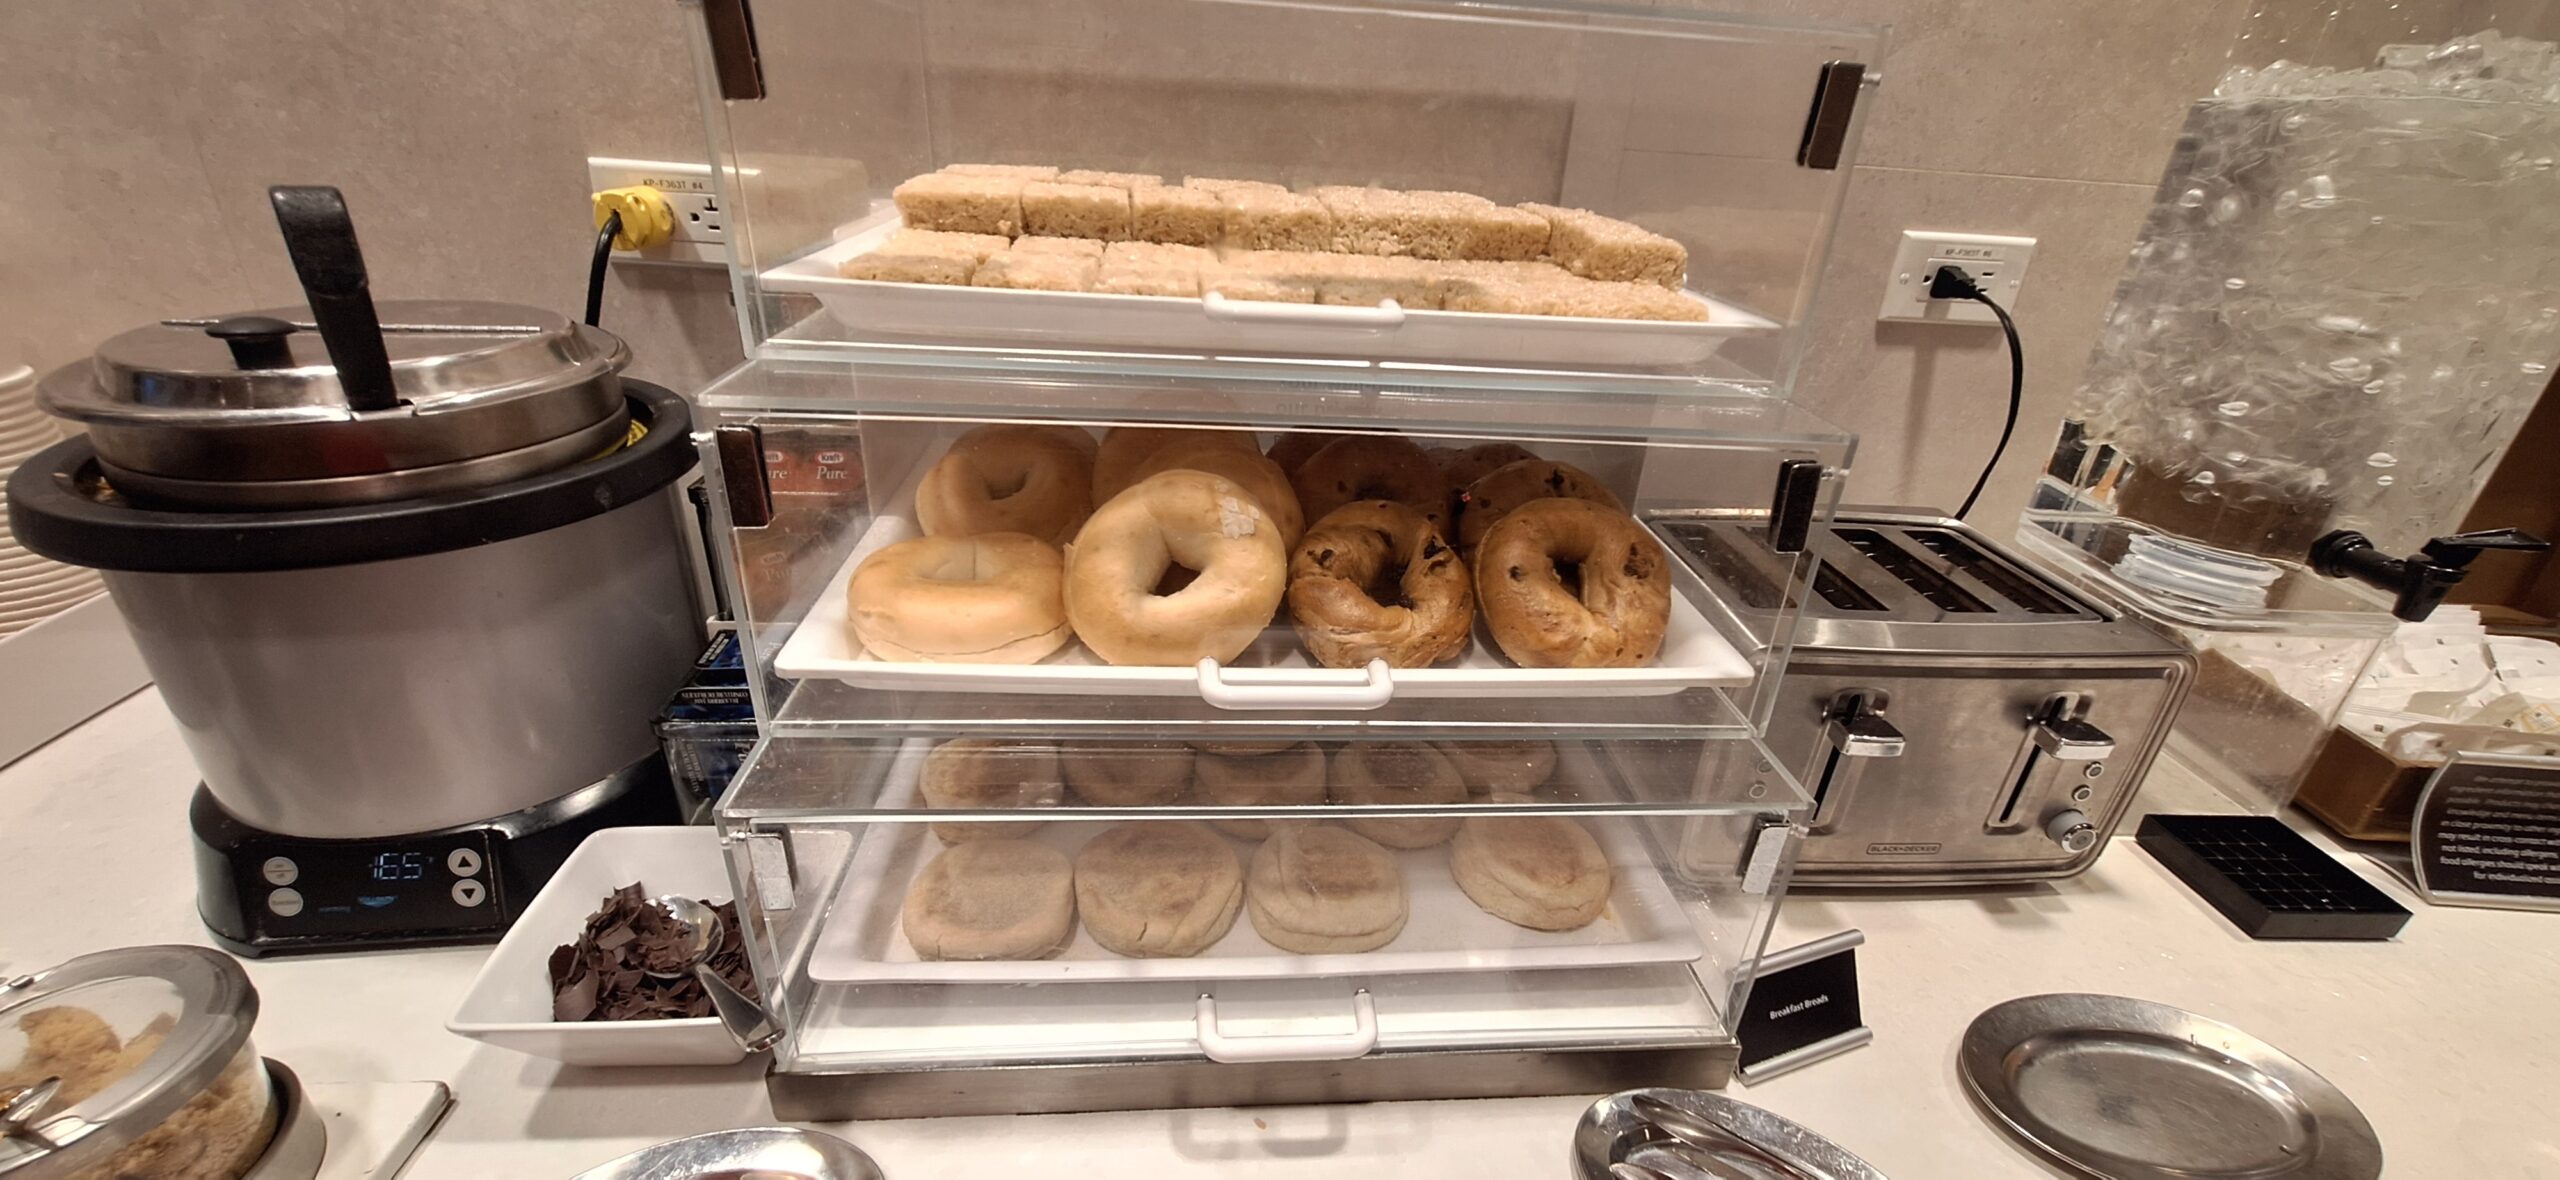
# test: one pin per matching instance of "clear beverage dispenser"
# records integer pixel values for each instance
(2339, 312)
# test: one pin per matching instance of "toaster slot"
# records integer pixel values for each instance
(1909, 569)
(1998, 575)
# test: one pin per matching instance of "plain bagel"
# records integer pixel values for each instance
(1010, 478)
(1123, 448)
(1182, 517)
(1254, 473)
(997, 598)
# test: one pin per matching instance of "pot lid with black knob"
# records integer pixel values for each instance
(339, 392)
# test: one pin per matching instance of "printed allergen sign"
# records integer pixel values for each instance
(2488, 833)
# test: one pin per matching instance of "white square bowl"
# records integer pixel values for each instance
(509, 1004)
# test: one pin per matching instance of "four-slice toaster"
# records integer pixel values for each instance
(1960, 716)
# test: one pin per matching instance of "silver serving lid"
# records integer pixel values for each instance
(209, 1005)
(271, 367)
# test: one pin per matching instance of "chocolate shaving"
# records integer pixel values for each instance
(605, 974)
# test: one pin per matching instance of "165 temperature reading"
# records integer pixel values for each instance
(399, 866)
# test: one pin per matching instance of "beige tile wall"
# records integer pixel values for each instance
(139, 140)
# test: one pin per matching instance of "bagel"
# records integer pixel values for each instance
(1116, 458)
(1010, 478)
(981, 774)
(1544, 872)
(1465, 466)
(1158, 890)
(997, 598)
(1292, 450)
(1495, 766)
(1200, 522)
(1400, 774)
(1571, 584)
(1489, 496)
(1372, 467)
(1257, 475)
(1241, 746)
(1126, 773)
(1374, 581)
(1292, 777)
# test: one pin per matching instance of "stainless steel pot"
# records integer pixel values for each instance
(424, 584)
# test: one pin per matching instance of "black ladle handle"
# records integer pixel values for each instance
(321, 237)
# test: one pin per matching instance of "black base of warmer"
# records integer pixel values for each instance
(261, 893)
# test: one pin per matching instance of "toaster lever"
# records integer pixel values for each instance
(1861, 734)
(2072, 739)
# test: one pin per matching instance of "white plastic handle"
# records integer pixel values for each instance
(1296, 688)
(1330, 1047)
(1385, 317)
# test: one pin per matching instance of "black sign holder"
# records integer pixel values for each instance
(1802, 1008)
(2487, 833)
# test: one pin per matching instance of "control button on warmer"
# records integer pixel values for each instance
(284, 903)
(2072, 830)
(463, 861)
(2082, 794)
(280, 870)
(469, 892)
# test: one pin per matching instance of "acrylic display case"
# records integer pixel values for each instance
(1727, 136)
(1567, 846)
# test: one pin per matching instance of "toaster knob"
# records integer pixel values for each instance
(2072, 830)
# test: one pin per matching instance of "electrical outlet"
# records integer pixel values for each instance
(701, 222)
(1997, 263)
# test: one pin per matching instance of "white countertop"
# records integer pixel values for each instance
(2448, 1037)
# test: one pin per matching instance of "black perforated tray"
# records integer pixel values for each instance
(2267, 879)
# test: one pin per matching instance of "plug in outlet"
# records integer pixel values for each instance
(701, 223)
(1997, 263)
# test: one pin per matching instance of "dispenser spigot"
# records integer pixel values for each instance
(2418, 583)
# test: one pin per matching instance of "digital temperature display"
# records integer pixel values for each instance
(399, 866)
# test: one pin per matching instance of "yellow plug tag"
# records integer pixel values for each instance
(647, 219)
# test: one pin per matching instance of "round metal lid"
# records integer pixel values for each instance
(270, 367)
(209, 1006)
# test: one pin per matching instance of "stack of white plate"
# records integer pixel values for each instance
(32, 588)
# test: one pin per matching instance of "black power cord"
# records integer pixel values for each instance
(1951, 282)
(605, 234)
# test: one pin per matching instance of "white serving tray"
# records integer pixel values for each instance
(1275, 673)
(509, 1003)
(1215, 324)
(863, 941)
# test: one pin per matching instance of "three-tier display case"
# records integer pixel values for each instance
(1218, 512)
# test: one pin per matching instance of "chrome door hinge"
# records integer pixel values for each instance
(1791, 505)
(729, 28)
(740, 452)
(1826, 127)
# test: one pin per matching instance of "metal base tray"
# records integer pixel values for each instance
(816, 1097)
